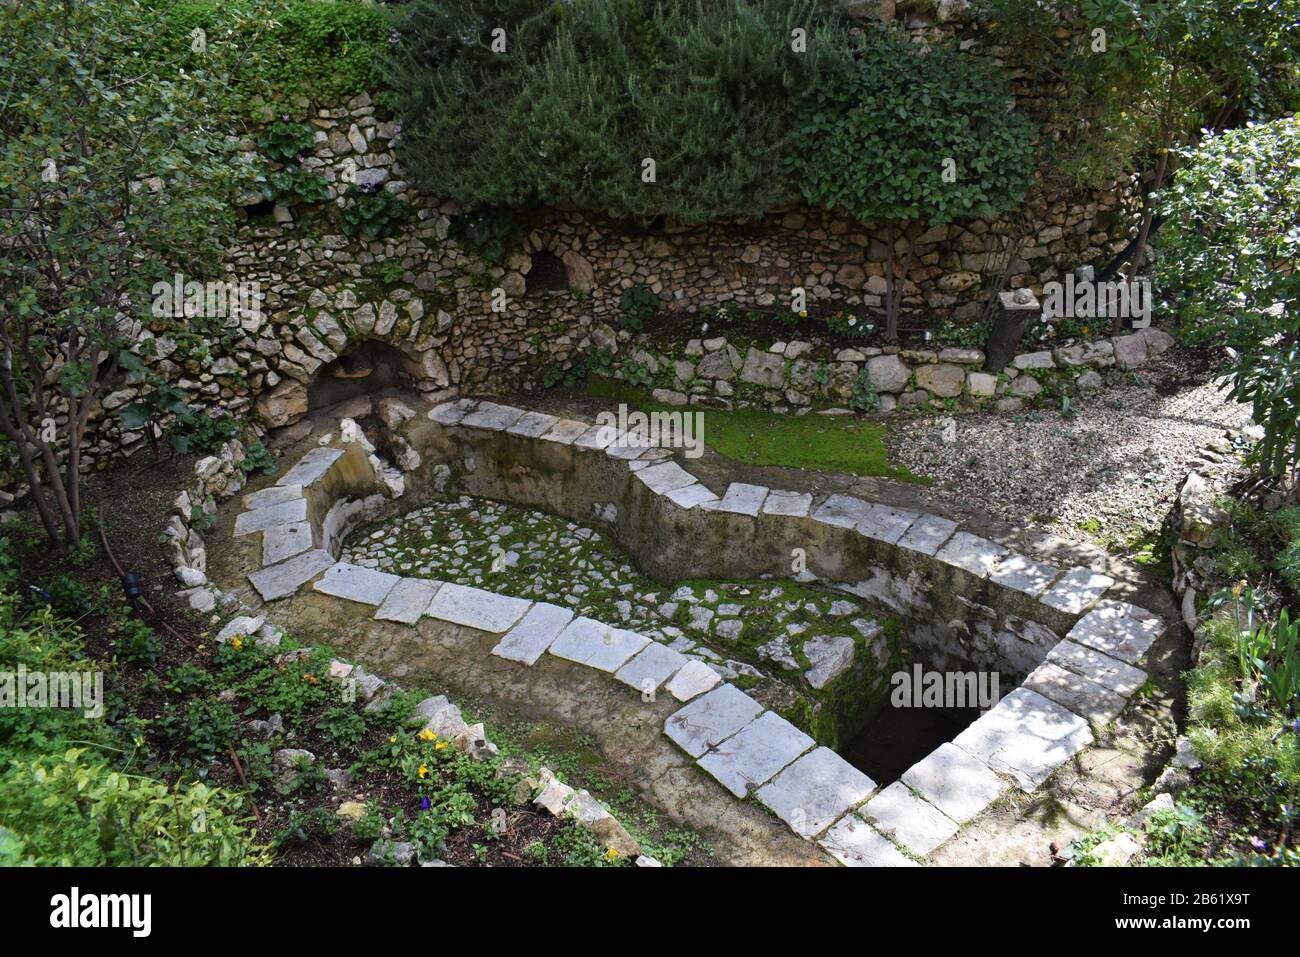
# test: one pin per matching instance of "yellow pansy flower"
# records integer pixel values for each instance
(424, 771)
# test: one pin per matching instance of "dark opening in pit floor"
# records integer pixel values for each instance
(896, 738)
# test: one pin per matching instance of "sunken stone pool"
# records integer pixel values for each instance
(568, 566)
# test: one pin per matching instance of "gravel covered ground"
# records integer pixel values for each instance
(1108, 474)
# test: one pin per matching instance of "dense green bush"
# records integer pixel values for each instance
(1231, 270)
(584, 93)
(912, 137)
(289, 49)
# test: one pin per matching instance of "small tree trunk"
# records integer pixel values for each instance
(891, 306)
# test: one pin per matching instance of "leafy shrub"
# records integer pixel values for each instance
(1230, 264)
(373, 214)
(137, 642)
(200, 729)
(292, 49)
(284, 141)
(295, 187)
(849, 326)
(639, 306)
(202, 433)
(864, 397)
(585, 92)
(258, 459)
(73, 810)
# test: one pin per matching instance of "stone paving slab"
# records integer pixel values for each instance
(1118, 676)
(450, 413)
(527, 641)
(927, 534)
(597, 645)
(815, 791)
(356, 583)
(623, 449)
(259, 519)
(408, 600)
(743, 499)
(1085, 698)
(755, 753)
(476, 608)
(284, 541)
(277, 581)
(779, 502)
(886, 524)
(853, 843)
(566, 431)
(1026, 736)
(1076, 590)
(311, 468)
(272, 496)
(842, 511)
(1119, 629)
(710, 718)
(597, 437)
(972, 554)
(665, 477)
(956, 783)
(493, 417)
(651, 667)
(694, 679)
(829, 656)
(909, 820)
(689, 496)
(533, 425)
(1024, 575)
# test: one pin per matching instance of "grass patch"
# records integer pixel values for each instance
(757, 437)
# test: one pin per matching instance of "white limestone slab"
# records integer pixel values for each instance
(886, 523)
(528, 640)
(285, 513)
(597, 645)
(665, 477)
(815, 791)
(1026, 736)
(356, 583)
(829, 656)
(956, 783)
(1024, 574)
(566, 431)
(311, 468)
(476, 608)
(450, 413)
(916, 824)
(755, 753)
(743, 499)
(1076, 590)
(285, 578)
(1084, 697)
(842, 511)
(651, 667)
(781, 502)
(694, 679)
(533, 425)
(928, 533)
(284, 541)
(1118, 676)
(689, 496)
(972, 554)
(408, 600)
(272, 496)
(710, 718)
(1119, 629)
(624, 449)
(597, 437)
(489, 415)
(853, 843)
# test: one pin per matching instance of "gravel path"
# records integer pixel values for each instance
(1107, 476)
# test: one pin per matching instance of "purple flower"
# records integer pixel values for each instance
(1258, 845)
(424, 803)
